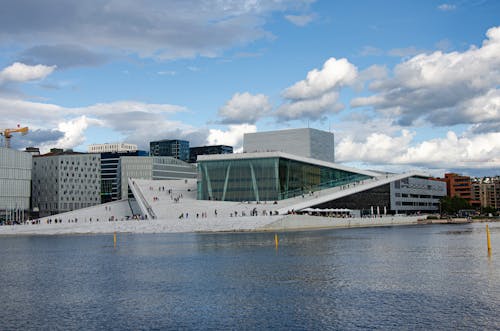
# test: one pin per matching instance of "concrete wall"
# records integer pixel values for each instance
(305, 142)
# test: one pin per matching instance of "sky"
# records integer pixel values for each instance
(403, 85)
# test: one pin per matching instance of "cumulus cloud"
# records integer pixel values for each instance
(232, 137)
(442, 88)
(244, 108)
(335, 73)
(451, 151)
(300, 20)
(136, 122)
(314, 108)
(160, 29)
(317, 95)
(20, 72)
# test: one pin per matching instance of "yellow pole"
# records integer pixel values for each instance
(114, 239)
(488, 240)
(276, 240)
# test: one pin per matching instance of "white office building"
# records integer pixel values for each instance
(65, 182)
(306, 142)
(15, 180)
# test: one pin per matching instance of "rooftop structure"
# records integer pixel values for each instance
(306, 142)
(112, 148)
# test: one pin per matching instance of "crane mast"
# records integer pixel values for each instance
(7, 133)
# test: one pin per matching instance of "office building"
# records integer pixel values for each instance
(208, 150)
(178, 149)
(15, 182)
(153, 167)
(110, 174)
(306, 142)
(65, 181)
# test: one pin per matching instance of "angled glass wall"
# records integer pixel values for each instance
(266, 179)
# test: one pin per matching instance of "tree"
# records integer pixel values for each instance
(453, 205)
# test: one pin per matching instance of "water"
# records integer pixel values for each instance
(418, 277)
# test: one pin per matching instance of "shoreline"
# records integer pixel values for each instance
(209, 225)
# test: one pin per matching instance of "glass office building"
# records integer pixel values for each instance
(270, 178)
(178, 149)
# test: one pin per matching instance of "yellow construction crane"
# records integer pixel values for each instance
(7, 133)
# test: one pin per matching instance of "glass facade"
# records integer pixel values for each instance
(266, 179)
(178, 149)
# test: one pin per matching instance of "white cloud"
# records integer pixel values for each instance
(245, 108)
(443, 88)
(318, 94)
(300, 20)
(334, 74)
(446, 7)
(314, 108)
(20, 72)
(74, 131)
(232, 137)
(376, 148)
(452, 151)
(136, 122)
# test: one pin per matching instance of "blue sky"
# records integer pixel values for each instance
(402, 84)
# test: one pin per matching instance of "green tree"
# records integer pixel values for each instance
(453, 205)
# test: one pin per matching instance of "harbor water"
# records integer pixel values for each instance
(404, 277)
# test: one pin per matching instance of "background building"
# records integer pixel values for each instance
(310, 143)
(65, 181)
(112, 148)
(487, 192)
(15, 182)
(208, 150)
(178, 149)
(156, 168)
(110, 174)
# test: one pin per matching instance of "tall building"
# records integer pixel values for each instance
(178, 149)
(15, 182)
(65, 181)
(208, 150)
(112, 148)
(157, 168)
(306, 142)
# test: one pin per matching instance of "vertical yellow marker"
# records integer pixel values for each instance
(114, 239)
(276, 240)
(488, 240)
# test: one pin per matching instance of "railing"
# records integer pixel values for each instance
(142, 201)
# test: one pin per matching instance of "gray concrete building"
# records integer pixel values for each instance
(15, 181)
(65, 181)
(153, 167)
(306, 142)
